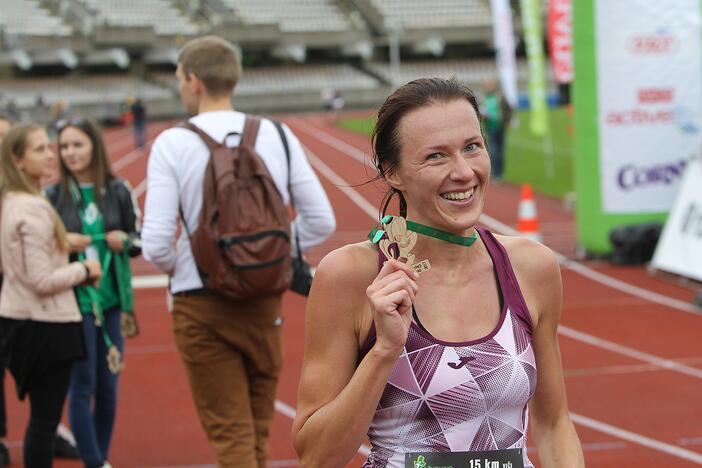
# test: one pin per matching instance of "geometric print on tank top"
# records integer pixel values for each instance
(454, 397)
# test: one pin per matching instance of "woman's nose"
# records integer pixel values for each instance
(461, 170)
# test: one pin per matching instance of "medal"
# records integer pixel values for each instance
(396, 241)
(399, 242)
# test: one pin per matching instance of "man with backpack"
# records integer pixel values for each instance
(227, 178)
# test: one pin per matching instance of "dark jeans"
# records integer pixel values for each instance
(46, 397)
(496, 147)
(140, 134)
(92, 398)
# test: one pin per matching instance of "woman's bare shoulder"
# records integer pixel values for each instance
(354, 264)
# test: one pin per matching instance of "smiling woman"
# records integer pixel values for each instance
(441, 365)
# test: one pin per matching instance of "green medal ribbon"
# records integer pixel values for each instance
(376, 234)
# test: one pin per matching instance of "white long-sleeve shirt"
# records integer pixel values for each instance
(174, 179)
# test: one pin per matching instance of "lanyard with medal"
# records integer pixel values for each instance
(400, 235)
(114, 357)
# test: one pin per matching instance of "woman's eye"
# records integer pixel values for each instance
(433, 156)
(472, 147)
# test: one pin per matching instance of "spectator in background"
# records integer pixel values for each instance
(40, 330)
(139, 123)
(5, 124)
(231, 349)
(98, 210)
(497, 115)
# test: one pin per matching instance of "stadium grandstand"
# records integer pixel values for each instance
(93, 55)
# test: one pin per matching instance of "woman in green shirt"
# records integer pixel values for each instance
(102, 219)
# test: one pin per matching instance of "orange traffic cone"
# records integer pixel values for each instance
(528, 222)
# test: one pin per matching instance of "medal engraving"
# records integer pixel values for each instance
(399, 244)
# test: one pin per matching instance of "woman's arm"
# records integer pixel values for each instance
(337, 395)
(35, 229)
(556, 439)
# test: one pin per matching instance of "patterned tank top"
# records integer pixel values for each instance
(456, 397)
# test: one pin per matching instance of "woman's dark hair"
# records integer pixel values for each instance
(411, 96)
(100, 165)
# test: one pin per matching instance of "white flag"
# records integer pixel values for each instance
(504, 49)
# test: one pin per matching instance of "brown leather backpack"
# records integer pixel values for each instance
(242, 243)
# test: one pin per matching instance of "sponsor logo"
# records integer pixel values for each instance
(462, 362)
(656, 95)
(661, 42)
(680, 116)
(631, 177)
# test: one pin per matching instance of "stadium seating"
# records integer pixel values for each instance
(28, 17)
(80, 91)
(160, 14)
(298, 16)
(474, 72)
(437, 13)
(281, 80)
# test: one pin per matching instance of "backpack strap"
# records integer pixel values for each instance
(284, 140)
(250, 131)
(209, 141)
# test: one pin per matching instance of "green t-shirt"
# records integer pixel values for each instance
(94, 226)
(492, 112)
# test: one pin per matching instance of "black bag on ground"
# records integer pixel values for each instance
(634, 244)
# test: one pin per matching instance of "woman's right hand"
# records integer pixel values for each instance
(391, 296)
(77, 242)
(94, 272)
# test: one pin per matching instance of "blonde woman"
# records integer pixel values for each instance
(40, 325)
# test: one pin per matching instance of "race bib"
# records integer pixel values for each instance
(509, 458)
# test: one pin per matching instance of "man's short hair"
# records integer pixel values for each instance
(214, 61)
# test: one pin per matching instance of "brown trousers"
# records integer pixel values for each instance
(232, 354)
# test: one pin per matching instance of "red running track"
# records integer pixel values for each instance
(633, 365)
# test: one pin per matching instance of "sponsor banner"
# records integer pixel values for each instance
(531, 19)
(649, 98)
(679, 249)
(560, 39)
(503, 34)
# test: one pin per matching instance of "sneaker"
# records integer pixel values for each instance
(4, 455)
(106, 465)
(64, 449)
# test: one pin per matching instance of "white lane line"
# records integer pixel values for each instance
(601, 278)
(498, 226)
(594, 341)
(630, 352)
(289, 411)
(149, 281)
(139, 189)
(342, 185)
(648, 442)
(332, 141)
(127, 159)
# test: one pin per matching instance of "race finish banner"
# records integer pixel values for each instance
(638, 110)
(679, 249)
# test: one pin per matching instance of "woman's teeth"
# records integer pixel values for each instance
(458, 195)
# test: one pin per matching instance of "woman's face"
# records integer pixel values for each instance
(75, 150)
(38, 158)
(444, 167)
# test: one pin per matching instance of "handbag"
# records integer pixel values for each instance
(302, 272)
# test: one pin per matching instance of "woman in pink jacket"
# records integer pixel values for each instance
(40, 325)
